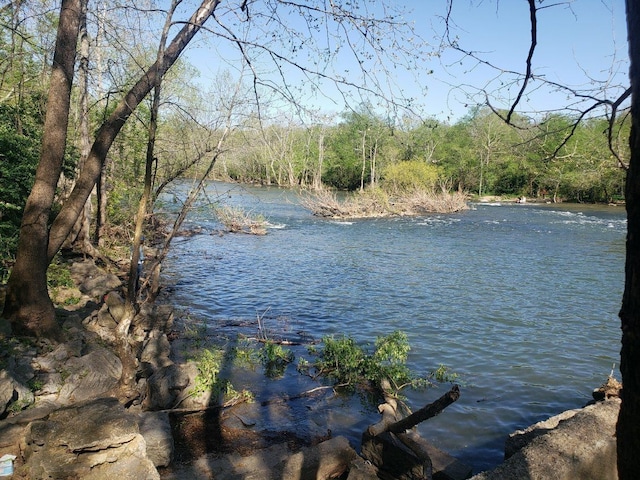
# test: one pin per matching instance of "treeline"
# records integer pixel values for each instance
(554, 158)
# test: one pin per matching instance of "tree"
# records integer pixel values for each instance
(628, 427)
(27, 303)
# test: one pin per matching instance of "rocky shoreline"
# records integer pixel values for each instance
(61, 418)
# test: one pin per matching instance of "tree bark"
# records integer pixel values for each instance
(628, 427)
(27, 304)
(108, 131)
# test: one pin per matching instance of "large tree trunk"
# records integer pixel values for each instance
(628, 428)
(108, 131)
(27, 304)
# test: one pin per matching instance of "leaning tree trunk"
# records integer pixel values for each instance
(108, 131)
(628, 427)
(125, 352)
(27, 302)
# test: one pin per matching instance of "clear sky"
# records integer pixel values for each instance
(581, 44)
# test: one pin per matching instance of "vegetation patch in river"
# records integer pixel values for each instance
(375, 203)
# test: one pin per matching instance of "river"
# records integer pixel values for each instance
(520, 300)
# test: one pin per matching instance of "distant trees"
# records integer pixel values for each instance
(479, 154)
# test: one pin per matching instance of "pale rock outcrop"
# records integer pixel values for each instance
(95, 440)
(577, 444)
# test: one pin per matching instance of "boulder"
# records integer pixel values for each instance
(581, 446)
(98, 286)
(96, 440)
(14, 394)
(329, 459)
(156, 350)
(167, 386)
(102, 324)
(155, 427)
(154, 317)
(90, 376)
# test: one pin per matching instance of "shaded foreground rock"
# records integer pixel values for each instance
(94, 440)
(577, 444)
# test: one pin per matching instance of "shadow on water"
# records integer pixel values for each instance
(267, 436)
(521, 300)
(258, 436)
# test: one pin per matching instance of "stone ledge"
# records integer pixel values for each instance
(576, 444)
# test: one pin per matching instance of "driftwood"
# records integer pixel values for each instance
(400, 453)
(390, 423)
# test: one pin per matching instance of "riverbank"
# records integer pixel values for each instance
(55, 396)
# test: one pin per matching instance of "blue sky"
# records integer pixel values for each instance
(581, 44)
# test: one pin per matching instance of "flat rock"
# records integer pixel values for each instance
(326, 460)
(96, 440)
(156, 430)
(90, 376)
(582, 446)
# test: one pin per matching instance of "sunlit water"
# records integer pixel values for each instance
(520, 300)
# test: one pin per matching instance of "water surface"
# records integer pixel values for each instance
(520, 300)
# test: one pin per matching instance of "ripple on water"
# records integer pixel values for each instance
(520, 301)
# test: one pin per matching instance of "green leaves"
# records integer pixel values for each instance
(349, 364)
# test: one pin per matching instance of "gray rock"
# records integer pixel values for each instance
(14, 394)
(156, 430)
(167, 385)
(102, 324)
(115, 305)
(582, 446)
(97, 440)
(51, 362)
(6, 390)
(90, 376)
(156, 350)
(97, 287)
(522, 438)
(326, 460)
(154, 317)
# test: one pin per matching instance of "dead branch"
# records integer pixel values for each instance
(388, 414)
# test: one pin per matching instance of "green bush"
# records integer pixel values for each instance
(343, 360)
(209, 363)
(409, 176)
(275, 359)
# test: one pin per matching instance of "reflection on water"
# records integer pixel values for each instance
(520, 300)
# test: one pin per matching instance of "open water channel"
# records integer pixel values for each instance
(520, 300)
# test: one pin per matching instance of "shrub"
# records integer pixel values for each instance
(410, 176)
(343, 360)
(208, 381)
(236, 220)
(275, 359)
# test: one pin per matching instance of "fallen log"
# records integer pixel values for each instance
(387, 424)
(400, 453)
